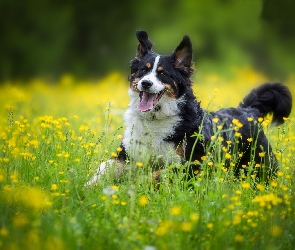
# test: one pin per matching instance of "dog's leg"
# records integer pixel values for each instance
(118, 166)
(101, 170)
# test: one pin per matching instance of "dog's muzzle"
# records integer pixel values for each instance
(146, 84)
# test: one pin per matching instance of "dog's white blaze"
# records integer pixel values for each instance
(152, 77)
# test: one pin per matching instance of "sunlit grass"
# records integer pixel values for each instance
(54, 136)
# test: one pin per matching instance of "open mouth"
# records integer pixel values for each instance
(149, 100)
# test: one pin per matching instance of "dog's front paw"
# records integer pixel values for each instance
(101, 170)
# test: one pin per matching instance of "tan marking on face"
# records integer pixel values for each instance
(148, 65)
(160, 68)
(133, 85)
(169, 91)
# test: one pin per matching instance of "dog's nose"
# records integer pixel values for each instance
(146, 84)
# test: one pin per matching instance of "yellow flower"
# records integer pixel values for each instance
(220, 138)
(4, 231)
(219, 127)
(119, 137)
(195, 162)
(239, 238)
(116, 188)
(246, 185)
(203, 158)
(238, 134)
(250, 119)
(215, 120)
(260, 187)
(5, 160)
(20, 220)
(276, 231)
(227, 156)
(260, 119)
(143, 201)
(119, 149)
(14, 177)
(139, 164)
(250, 139)
(235, 121)
(194, 217)
(114, 154)
(163, 228)
(186, 226)
(210, 225)
(175, 210)
(54, 187)
(262, 154)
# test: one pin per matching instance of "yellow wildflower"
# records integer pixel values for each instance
(186, 226)
(139, 164)
(276, 231)
(239, 238)
(215, 120)
(175, 210)
(227, 156)
(143, 201)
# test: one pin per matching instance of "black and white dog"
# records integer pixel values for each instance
(163, 114)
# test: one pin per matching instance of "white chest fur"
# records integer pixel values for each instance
(145, 132)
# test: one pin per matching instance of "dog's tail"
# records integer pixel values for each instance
(270, 98)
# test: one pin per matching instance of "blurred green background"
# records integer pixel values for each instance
(47, 38)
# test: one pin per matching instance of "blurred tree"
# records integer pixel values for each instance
(90, 38)
(280, 15)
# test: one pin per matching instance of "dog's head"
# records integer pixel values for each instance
(154, 76)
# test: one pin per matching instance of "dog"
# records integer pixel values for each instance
(165, 123)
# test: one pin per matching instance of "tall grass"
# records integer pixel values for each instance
(53, 137)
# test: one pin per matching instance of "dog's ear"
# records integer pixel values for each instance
(144, 46)
(183, 54)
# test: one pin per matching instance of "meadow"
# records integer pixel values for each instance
(53, 137)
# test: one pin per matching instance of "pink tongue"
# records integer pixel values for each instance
(147, 101)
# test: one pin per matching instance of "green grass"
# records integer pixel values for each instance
(51, 145)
